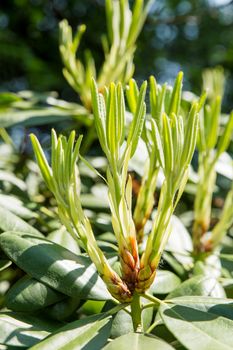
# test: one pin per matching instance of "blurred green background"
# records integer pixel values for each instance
(187, 35)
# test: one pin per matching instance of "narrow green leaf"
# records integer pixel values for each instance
(78, 36)
(42, 161)
(96, 172)
(153, 96)
(112, 122)
(158, 144)
(138, 17)
(213, 131)
(168, 145)
(202, 100)
(138, 120)
(68, 157)
(109, 18)
(121, 113)
(226, 136)
(99, 112)
(176, 95)
(75, 154)
(132, 93)
(201, 139)
(190, 135)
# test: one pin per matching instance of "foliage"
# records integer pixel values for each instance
(123, 26)
(208, 157)
(141, 254)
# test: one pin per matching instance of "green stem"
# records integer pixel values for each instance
(155, 324)
(154, 300)
(136, 313)
(6, 137)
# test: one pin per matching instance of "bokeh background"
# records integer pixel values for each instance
(178, 34)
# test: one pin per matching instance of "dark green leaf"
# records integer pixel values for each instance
(197, 329)
(217, 306)
(40, 116)
(198, 285)
(65, 239)
(24, 330)
(50, 263)
(11, 222)
(89, 333)
(29, 295)
(165, 282)
(63, 309)
(137, 341)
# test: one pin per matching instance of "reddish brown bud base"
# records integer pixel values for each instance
(134, 277)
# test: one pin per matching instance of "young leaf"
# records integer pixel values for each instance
(176, 95)
(190, 136)
(138, 120)
(42, 162)
(226, 136)
(168, 145)
(132, 94)
(158, 144)
(213, 131)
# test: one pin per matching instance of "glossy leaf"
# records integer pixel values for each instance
(137, 341)
(165, 282)
(89, 333)
(65, 239)
(40, 116)
(198, 285)
(217, 306)
(16, 206)
(11, 222)
(24, 330)
(63, 309)
(180, 243)
(59, 268)
(197, 329)
(29, 295)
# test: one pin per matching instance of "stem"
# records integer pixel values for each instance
(203, 199)
(146, 306)
(136, 313)
(150, 329)
(154, 300)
